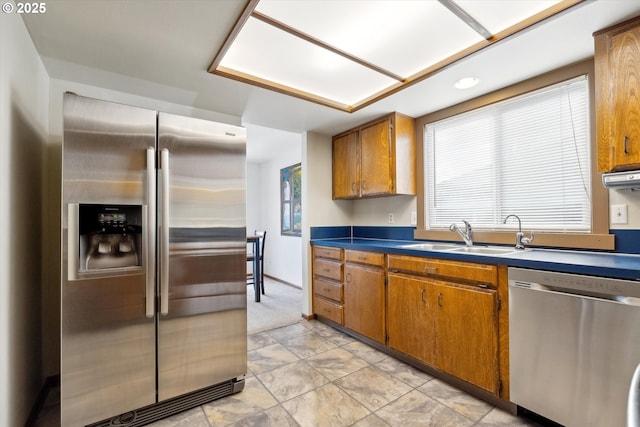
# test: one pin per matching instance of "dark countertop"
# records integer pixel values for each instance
(603, 264)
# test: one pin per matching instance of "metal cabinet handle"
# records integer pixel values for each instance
(624, 144)
(439, 300)
(432, 270)
(150, 246)
(348, 277)
(164, 234)
(422, 295)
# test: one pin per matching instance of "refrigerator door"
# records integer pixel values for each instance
(202, 326)
(107, 340)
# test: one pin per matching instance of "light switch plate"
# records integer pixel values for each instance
(619, 214)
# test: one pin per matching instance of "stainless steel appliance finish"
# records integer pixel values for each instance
(633, 403)
(154, 248)
(574, 345)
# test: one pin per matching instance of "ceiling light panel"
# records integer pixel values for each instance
(404, 37)
(498, 15)
(268, 53)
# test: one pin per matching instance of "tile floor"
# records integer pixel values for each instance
(309, 374)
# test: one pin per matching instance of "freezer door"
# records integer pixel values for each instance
(202, 325)
(107, 340)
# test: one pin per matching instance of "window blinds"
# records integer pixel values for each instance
(528, 156)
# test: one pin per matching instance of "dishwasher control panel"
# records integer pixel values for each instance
(586, 285)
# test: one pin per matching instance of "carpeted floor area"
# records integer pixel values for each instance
(280, 305)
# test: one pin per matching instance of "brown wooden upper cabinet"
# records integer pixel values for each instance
(617, 80)
(375, 159)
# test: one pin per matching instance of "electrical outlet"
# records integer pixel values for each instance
(619, 214)
(390, 218)
(414, 218)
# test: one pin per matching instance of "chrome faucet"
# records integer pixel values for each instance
(466, 235)
(520, 239)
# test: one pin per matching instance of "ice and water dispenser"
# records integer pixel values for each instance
(110, 236)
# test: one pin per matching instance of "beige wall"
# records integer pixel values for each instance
(375, 212)
(282, 253)
(318, 208)
(632, 200)
(23, 138)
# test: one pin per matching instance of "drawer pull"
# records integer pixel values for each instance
(422, 295)
(624, 144)
(440, 300)
(432, 270)
(348, 278)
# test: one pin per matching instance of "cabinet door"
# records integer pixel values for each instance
(376, 173)
(364, 301)
(467, 333)
(625, 91)
(346, 165)
(410, 325)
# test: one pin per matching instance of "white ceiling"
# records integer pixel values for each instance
(162, 49)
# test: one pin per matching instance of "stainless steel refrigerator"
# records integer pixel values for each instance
(153, 311)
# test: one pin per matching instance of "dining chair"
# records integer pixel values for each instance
(259, 258)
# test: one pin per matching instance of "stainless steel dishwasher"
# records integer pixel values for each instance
(574, 344)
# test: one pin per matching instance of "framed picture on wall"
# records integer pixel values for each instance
(291, 200)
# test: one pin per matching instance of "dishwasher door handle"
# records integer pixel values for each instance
(633, 404)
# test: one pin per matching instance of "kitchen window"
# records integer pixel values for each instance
(529, 154)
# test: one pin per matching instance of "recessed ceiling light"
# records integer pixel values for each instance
(466, 82)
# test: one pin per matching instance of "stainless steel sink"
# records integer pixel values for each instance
(453, 247)
(430, 246)
(483, 250)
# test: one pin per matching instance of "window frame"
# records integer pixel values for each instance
(292, 176)
(597, 238)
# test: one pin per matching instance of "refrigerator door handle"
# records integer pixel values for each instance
(164, 235)
(150, 228)
(633, 404)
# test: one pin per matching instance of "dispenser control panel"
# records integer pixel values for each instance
(109, 236)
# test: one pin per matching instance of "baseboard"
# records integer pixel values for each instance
(283, 281)
(49, 383)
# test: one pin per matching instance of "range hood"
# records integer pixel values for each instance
(629, 180)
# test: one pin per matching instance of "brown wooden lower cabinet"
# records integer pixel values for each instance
(409, 323)
(451, 327)
(328, 290)
(443, 313)
(364, 301)
(467, 334)
(329, 309)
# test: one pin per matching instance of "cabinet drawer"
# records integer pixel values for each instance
(457, 269)
(326, 268)
(331, 290)
(327, 252)
(328, 309)
(362, 257)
